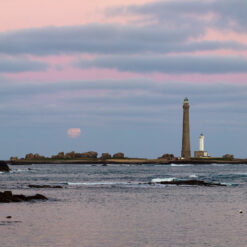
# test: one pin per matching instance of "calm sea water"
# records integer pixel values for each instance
(114, 206)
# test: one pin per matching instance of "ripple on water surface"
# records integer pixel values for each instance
(115, 206)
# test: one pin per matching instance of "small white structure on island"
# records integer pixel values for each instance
(201, 153)
(201, 143)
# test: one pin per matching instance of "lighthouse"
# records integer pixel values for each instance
(186, 131)
(201, 153)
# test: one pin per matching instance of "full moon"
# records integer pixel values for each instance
(74, 132)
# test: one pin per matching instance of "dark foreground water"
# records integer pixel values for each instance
(113, 206)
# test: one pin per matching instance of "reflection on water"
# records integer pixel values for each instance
(115, 206)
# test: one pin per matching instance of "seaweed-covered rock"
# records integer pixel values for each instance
(4, 167)
(191, 182)
(8, 196)
(46, 186)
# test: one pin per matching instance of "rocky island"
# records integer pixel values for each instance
(91, 157)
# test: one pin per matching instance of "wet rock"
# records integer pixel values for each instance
(7, 196)
(191, 182)
(4, 167)
(36, 197)
(45, 186)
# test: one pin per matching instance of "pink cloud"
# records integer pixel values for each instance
(199, 78)
(225, 36)
(76, 12)
(69, 73)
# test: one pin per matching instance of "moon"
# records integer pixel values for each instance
(74, 132)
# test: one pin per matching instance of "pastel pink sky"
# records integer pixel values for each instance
(17, 14)
(76, 88)
(96, 74)
(21, 14)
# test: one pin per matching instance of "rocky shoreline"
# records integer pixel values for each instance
(8, 196)
(129, 161)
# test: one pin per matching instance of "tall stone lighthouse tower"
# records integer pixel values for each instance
(186, 131)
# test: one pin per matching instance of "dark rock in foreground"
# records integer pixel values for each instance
(7, 196)
(45, 186)
(191, 182)
(4, 167)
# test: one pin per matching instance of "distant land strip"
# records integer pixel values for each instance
(127, 161)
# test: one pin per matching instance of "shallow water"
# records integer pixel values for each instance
(114, 206)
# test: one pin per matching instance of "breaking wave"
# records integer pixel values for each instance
(179, 165)
(193, 176)
(20, 170)
(104, 183)
(189, 181)
(159, 180)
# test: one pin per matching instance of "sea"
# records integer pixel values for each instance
(125, 206)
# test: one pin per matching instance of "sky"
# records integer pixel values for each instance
(111, 76)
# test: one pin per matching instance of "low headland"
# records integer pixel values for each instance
(91, 157)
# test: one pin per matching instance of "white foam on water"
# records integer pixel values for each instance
(158, 180)
(1, 172)
(180, 165)
(96, 183)
(193, 176)
(75, 184)
(229, 184)
(240, 173)
(216, 164)
(19, 170)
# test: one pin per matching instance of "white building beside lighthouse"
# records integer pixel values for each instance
(201, 143)
(201, 153)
